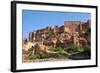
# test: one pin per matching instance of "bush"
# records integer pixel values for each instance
(86, 47)
(50, 33)
(43, 55)
(39, 55)
(87, 50)
(56, 49)
(58, 55)
(31, 57)
(61, 55)
(72, 49)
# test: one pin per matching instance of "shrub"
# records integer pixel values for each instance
(86, 47)
(74, 49)
(50, 33)
(61, 55)
(43, 55)
(58, 55)
(31, 57)
(87, 50)
(56, 49)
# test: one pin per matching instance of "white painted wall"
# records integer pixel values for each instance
(5, 36)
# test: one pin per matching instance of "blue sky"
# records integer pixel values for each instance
(33, 20)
